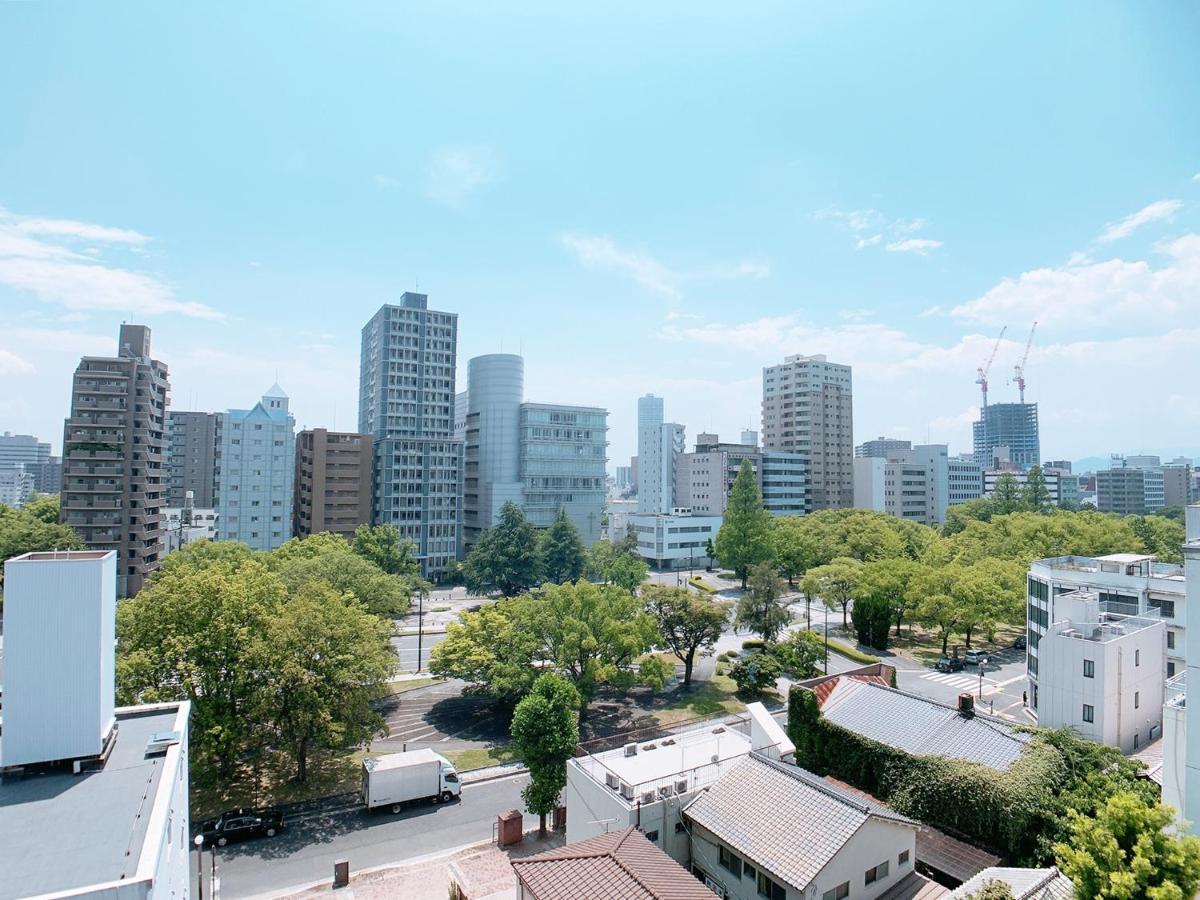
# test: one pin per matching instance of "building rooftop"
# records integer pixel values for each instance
(622, 865)
(1025, 884)
(1107, 627)
(1116, 564)
(700, 755)
(60, 831)
(788, 820)
(921, 726)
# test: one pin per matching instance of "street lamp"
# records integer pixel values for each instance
(199, 842)
(420, 624)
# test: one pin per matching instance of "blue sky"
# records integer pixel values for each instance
(660, 199)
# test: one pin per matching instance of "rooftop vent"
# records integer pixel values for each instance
(720, 729)
(631, 749)
(668, 742)
(160, 741)
(966, 705)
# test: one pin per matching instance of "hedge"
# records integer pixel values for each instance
(852, 652)
(1007, 811)
(754, 644)
(696, 582)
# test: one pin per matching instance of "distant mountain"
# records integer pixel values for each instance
(1096, 463)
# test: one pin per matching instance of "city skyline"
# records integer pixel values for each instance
(815, 185)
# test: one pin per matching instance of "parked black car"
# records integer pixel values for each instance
(949, 664)
(1019, 643)
(241, 824)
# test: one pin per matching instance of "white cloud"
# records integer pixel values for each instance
(868, 242)
(1097, 293)
(11, 364)
(36, 255)
(935, 310)
(853, 219)
(601, 252)
(1196, 177)
(920, 246)
(455, 173)
(1159, 211)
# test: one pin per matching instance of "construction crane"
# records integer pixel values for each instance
(1019, 368)
(981, 377)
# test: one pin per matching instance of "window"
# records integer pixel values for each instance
(1137, 657)
(680, 828)
(731, 861)
(841, 892)
(1170, 640)
(1089, 668)
(769, 889)
(903, 857)
(877, 873)
(1137, 699)
(1089, 714)
(1170, 670)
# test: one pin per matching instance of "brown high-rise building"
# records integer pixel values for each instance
(114, 444)
(807, 407)
(333, 482)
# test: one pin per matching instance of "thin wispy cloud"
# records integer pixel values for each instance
(601, 252)
(38, 255)
(455, 173)
(871, 228)
(11, 364)
(1159, 211)
(920, 246)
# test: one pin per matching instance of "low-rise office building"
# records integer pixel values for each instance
(1102, 673)
(677, 540)
(185, 524)
(773, 830)
(1130, 584)
(95, 799)
(1130, 491)
(16, 486)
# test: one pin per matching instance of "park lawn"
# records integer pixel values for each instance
(480, 757)
(713, 697)
(403, 687)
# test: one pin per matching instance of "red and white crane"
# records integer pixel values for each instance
(1019, 368)
(981, 377)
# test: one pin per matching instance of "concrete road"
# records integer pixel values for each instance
(406, 649)
(306, 851)
(999, 690)
(440, 717)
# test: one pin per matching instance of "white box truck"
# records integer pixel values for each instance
(399, 778)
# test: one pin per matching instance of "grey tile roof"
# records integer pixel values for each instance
(1151, 756)
(785, 819)
(920, 726)
(1026, 884)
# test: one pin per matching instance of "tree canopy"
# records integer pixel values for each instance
(759, 609)
(560, 551)
(545, 732)
(33, 527)
(689, 624)
(384, 546)
(505, 558)
(744, 537)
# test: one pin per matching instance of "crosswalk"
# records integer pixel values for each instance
(958, 681)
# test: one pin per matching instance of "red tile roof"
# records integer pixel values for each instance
(825, 688)
(621, 865)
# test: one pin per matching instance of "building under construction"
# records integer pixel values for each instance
(1011, 425)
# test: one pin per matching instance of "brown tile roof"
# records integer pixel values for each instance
(621, 865)
(825, 688)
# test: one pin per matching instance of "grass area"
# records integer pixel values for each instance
(851, 652)
(328, 774)
(704, 698)
(439, 609)
(480, 757)
(403, 687)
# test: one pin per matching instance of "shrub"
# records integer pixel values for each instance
(754, 644)
(851, 652)
(696, 582)
(756, 673)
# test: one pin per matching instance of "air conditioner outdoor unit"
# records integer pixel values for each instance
(631, 749)
(666, 790)
(647, 796)
(626, 790)
(681, 786)
(611, 779)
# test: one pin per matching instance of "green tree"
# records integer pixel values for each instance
(505, 557)
(799, 653)
(932, 595)
(1006, 495)
(326, 659)
(688, 624)
(490, 650)
(1159, 535)
(1130, 849)
(745, 535)
(597, 560)
(627, 572)
(197, 633)
(993, 890)
(795, 547)
(872, 618)
(204, 554)
(710, 552)
(888, 581)
(47, 507)
(835, 583)
(560, 551)
(545, 732)
(759, 609)
(756, 673)
(384, 546)
(628, 542)
(347, 572)
(26, 531)
(1035, 496)
(308, 547)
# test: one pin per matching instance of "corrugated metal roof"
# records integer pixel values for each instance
(789, 821)
(921, 726)
(622, 865)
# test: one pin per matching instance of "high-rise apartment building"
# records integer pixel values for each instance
(784, 477)
(659, 446)
(332, 484)
(879, 447)
(544, 457)
(1177, 484)
(406, 402)
(255, 467)
(114, 445)
(16, 486)
(807, 407)
(1129, 491)
(1011, 425)
(192, 440)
